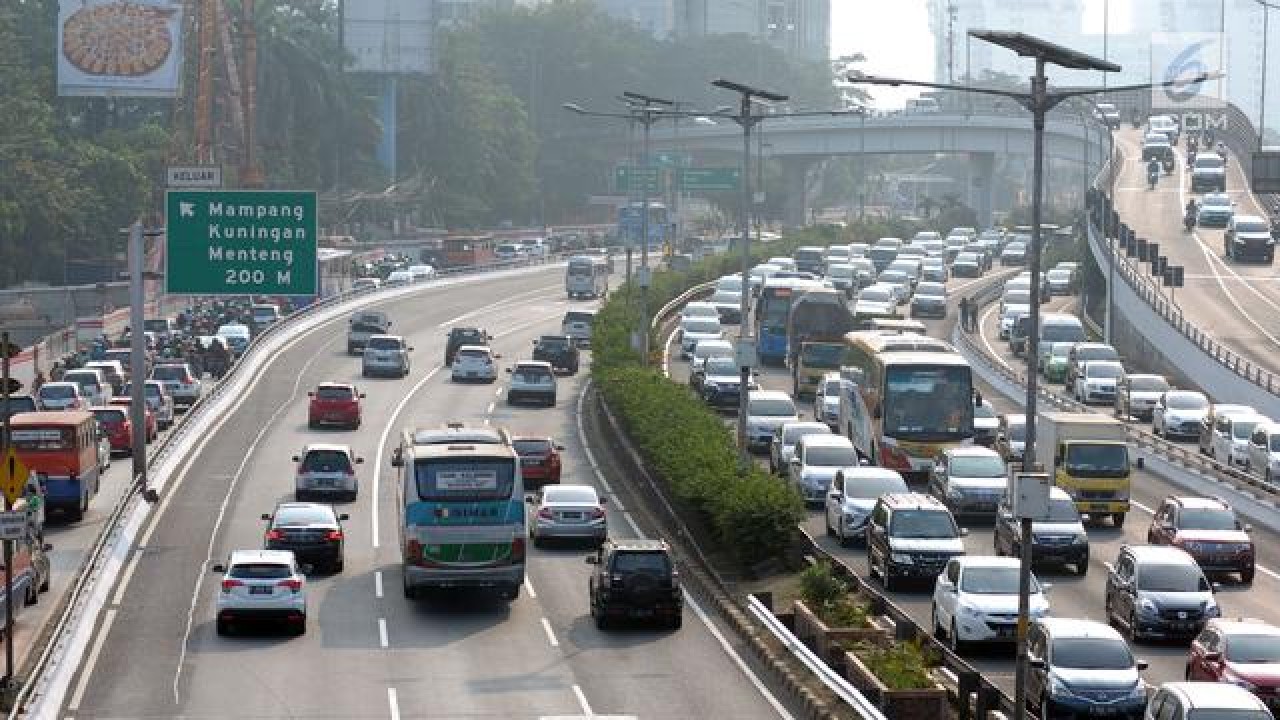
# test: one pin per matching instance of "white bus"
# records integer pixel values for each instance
(586, 277)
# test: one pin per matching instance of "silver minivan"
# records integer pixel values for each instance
(93, 384)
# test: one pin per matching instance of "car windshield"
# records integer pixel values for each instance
(702, 327)
(1017, 297)
(554, 342)
(876, 295)
(329, 392)
(304, 515)
(259, 571)
(710, 349)
(1097, 460)
(57, 392)
(1208, 162)
(1063, 510)
(840, 271)
(326, 461)
(771, 407)
(1103, 370)
(1092, 654)
(931, 289)
(1216, 201)
(922, 524)
(993, 581)
(1148, 384)
(109, 417)
(577, 495)
(169, 372)
(1250, 649)
(653, 562)
(528, 374)
(478, 354)
(1059, 274)
(1207, 519)
(831, 457)
(466, 335)
(1171, 578)
(896, 277)
(977, 466)
(873, 487)
(793, 434)
(470, 480)
(1186, 401)
(1250, 226)
(532, 447)
(1242, 429)
(721, 366)
(579, 317)
(378, 343)
(1015, 249)
(967, 259)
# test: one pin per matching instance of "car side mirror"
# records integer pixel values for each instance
(1143, 664)
(218, 568)
(1215, 586)
(410, 348)
(1037, 663)
(297, 459)
(1213, 656)
(344, 516)
(497, 356)
(1046, 587)
(592, 560)
(560, 448)
(1248, 528)
(397, 458)
(47, 547)
(359, 460)
(964, 532)
(361, 396)
(529, 498)
(837, 496)
(795, 461)
(310, 394)
(266, 516)
(604, 500)
(508, 371)
(307, 568)
(1141, 463)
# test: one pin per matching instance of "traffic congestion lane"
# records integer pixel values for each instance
(459, 658)
(1236, 302)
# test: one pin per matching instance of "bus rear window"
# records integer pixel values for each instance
(41, 438)
(453, 481)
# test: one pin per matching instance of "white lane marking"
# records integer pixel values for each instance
(382, 633)
(382, 446)
(497, 392)
(582, 701)
(510, 300)
(689, 599)
(489, 410)
(118, 597)
(222, 514)
(551, 635)
(83, 683)
(393, 703)
(528, 587)
(377, 584)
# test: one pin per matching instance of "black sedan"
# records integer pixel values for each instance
(313, 531)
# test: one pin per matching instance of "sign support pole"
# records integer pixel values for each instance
(137, 355)
(8, 507)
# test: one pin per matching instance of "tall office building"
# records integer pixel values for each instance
(657, 17)
(801, 28)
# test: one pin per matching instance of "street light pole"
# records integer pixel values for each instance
(648, 109)
(746, 348)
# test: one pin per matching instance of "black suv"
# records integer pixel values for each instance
(559, 350)
(635, 579)
(911, 537)
(313, 531)
(460, 336)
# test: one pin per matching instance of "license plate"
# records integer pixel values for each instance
(1004, 632)
(259, 589)
(323, 482)
(571, 516)
(471, 373)
(642, 613)
(530, 461)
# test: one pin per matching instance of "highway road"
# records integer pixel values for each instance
(1071, 595)
(369, 652)
(1237, 303)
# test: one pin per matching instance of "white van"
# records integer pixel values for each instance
(237, 337)
(93, 384)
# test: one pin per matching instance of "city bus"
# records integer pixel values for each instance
(913, 399)
(61, 446)
(773, 310)
(816, 326)
(586, 277)
(462, 513)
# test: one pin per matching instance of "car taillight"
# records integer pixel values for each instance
(615, 580)
(517, 550)
(293, 584)
(275, 535)
(554, 460)
(229, 583)
(597, 513)
(545, 513)
(334, 535)
(412, 551)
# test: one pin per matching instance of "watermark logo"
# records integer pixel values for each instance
(1179, 59)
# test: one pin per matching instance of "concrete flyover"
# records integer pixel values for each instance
(800, 142)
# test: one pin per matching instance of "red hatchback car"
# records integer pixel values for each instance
(127, 403)
(539, 460)
(1207, 528)
(334, 404)
(1240, 652)
(115, 423)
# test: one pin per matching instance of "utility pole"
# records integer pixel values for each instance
(648, 110)
(250, 173)
(952, 11)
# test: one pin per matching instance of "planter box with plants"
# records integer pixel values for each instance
(828, 617)
(898, 679)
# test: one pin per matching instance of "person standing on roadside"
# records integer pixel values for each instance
(964, 314)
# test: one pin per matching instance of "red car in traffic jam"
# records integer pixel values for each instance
(1240, 652)
(127, 403)
(334, 404)
(539, 460)
(114, 421)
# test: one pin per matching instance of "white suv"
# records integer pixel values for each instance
(532, 380)
(385, 355)
(975, 599)
(474, 362)
(266, 585)
(1264, 451)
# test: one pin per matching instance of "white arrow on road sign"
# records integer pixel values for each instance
(187, 209)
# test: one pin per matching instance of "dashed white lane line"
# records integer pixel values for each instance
(383, 640)
(377, 584)
(582, 701)
(489, 410)
(393, 703)
(83, 683)
(513, 299)
(528, 587)
(551, 635)
(689, 599)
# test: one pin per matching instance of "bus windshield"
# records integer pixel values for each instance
(928, 403)
(775, 307)
(821, 355)
(474, 480)
(583, 266)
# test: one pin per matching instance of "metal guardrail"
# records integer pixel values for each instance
(834, 682)
(86, 574)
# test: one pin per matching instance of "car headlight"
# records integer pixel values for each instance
(1058, 688)
(1211, 609)
(968, 610)
(901, 558)
(1147, 607)
(1238, 681)
(954, 492)
(1139, 690)
(1081, 539)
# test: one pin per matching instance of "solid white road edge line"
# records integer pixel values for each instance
(98, 642)
(528, 587)
(689, 599)
(582, 701)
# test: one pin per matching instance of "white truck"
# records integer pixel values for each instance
(1087, 456)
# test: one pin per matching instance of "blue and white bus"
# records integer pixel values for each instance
(772, 312)
(461, 498)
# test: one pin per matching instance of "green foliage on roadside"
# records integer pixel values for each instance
(902, 666)
(828, 597)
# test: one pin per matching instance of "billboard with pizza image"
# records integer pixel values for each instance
(119, 48)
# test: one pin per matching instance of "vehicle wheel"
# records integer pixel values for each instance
(1268, 476)
(301, 627)
(33, 595)
(312, 424)
(552, 401)
(44, 586)
(364, 373)
(676, 621)
(410, 592)
(885, 578)
(1155, 430)
(826, 520)
(845, 540)
(1082, 567)
(337, 565)
(1246, 576)
(933, 618)
(223, 627)
(602, 621)
(537, 541)
(1117, 519)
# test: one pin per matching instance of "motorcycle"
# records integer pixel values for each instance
(1168, 166)
(1189, 221)
(1153, 177)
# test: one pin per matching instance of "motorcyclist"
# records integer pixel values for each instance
(1189, 218)
(1222, 151)
(1153, 170)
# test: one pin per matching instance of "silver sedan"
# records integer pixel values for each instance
(567, 512)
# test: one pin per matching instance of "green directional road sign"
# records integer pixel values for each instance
(720, 178)
(622, 178)
(241, 242)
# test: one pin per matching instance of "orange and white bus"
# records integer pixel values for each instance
(63, 447)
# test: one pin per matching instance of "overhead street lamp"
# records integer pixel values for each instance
(1039, 101)
(746, 346)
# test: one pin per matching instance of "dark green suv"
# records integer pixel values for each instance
(559, 350)
(460, 336)
(635, 579)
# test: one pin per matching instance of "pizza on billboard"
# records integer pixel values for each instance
(119, 47)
